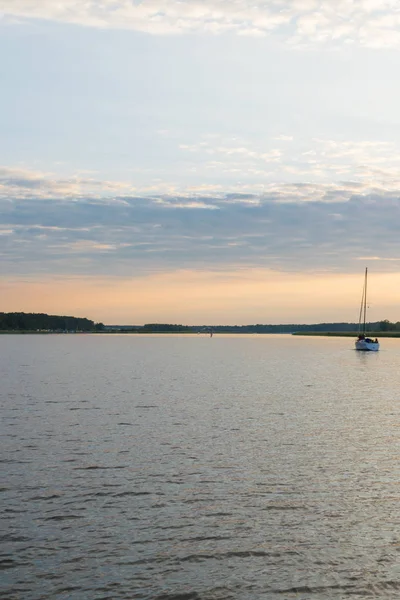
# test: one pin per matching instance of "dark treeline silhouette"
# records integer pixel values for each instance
(43, 322)
(167, 328)
(259, 328)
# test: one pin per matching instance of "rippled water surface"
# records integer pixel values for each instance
(191, 468)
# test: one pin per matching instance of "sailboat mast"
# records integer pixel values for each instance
(365, 300)
(361, 315)
(363, 342)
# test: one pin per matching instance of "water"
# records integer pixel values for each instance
(190, 468)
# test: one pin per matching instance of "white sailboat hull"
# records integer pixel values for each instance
(367, 346)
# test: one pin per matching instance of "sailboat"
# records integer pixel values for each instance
(363, 342)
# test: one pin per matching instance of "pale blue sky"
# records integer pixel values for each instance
(152, 136)
(123, 103)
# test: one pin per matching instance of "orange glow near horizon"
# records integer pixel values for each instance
(193, 297)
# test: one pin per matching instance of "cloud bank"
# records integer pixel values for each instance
(371, 23)
(296, 227)
(282, 168)
(26, 183)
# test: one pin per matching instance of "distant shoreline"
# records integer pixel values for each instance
(352, 334)
(374, 334)
(42, 323)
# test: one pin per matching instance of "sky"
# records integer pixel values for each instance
(222, 161)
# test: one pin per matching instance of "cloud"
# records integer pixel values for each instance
(216, 165)
(291, 227)
(374, 164)
(368, 22)
(26, 183)
(51, 224)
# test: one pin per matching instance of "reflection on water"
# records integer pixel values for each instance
(188, 468)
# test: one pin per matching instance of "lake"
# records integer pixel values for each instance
(196, 468)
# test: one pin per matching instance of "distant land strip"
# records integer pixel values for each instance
(374, 333)
(19, 322)
(42, 323)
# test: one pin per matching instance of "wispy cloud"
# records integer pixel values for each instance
(284, 138)
(372, 164)
(26, 183)
(292, 227)
(310, 170)
(372, 23)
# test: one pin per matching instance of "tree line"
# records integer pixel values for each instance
(259, 328)
(43, 322)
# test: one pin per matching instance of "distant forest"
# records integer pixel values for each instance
(43, 322)
(53, 323)
(292, 328)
